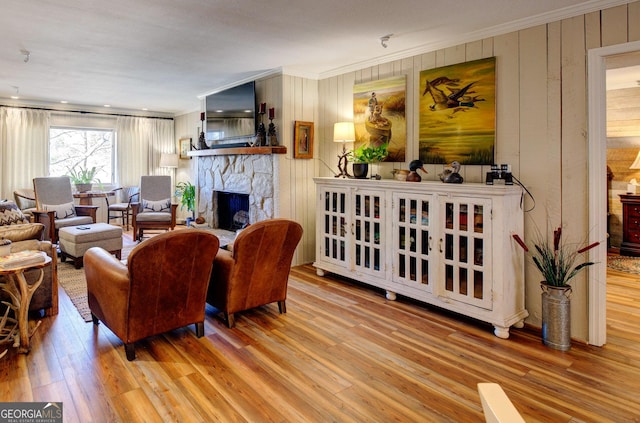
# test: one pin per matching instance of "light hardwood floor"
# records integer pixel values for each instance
(341, 353)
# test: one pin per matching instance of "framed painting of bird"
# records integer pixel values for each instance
(379, 115)
(458, 113)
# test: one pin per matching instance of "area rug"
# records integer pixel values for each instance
(624, 264)
(74, 284)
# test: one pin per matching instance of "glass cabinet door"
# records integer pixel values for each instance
(466, 250)
(335, 225)
(412, 240)
(368, 210)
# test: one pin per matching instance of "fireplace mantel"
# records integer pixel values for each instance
(278, 149)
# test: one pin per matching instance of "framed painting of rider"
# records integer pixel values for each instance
(458, 113)
(379, 116)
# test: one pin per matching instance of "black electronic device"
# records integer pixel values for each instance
(503, 172)
(231, 113)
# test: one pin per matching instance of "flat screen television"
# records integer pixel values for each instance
(230, 114)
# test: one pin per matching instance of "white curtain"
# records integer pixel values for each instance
(24, 148)
(139, 144)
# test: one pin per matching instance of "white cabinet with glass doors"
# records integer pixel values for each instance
(448, 245)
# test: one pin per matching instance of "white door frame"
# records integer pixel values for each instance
(597, 95)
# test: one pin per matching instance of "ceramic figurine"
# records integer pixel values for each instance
(452, 176)
(413, 174)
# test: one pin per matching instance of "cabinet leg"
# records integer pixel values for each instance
(391, 296)
(519, 324)
(320, 272)
(501, 332)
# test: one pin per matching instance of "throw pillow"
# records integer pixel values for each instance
(10, 214)
(62, 210)
(156, 206)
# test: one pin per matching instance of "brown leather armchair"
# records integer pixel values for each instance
(256, 271)
(162, 287)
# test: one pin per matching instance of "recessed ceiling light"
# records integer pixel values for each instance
(15, 97)
(107, 105)
(145, 109)
(63, 101)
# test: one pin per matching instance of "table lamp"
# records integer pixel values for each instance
(343, 132)
(169, 160)
(632, 186)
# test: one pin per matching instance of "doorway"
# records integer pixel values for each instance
(597, 70)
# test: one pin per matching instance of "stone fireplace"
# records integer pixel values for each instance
(253, 175)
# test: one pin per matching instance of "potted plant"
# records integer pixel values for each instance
(187, 193)
(556, 261)
(82, 177)
(363, 156)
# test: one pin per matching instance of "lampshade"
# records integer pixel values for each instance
(636, 162)
(344, 132)
(169, 160)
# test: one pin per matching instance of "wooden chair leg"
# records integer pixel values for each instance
(199, 329)
(95, 320)
(231, 321)
(130, 350)
(282, 307)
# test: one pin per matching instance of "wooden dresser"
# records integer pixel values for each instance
(630, 225)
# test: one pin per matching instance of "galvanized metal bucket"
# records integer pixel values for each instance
(556, 316)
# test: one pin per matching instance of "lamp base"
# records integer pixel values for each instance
(342, 164)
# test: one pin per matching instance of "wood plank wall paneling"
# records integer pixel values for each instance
(541, 123)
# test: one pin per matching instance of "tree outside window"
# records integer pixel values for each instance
(74, 149)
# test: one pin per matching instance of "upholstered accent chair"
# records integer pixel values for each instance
(122, 208)
(55, 206)
(256, 270)
(15, 226)
(162, 287)
(154, 210)
(25, 198)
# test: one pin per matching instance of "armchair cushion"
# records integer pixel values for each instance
(22, 231)
(62, 211)
(10, 214)
(156, 206)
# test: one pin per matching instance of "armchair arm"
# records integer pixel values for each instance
(87, 211)
(46, 217)
(107, 289)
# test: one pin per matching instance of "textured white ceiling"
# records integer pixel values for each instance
(163, 54)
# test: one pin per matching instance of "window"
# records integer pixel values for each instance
(72, 149)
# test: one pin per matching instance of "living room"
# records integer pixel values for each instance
(543, 130)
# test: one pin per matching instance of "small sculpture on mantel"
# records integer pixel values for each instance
(272, 139)
(452, 176)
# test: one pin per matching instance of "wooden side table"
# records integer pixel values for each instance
(21, 292)
(630, 225)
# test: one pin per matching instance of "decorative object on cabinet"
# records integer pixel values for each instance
(303, 140)
(446, 245)
(343, 132)
(379, 115)
(451, 176)
(184, 146)
(630, 245)
(556, 261)
(413, 175)
(459, 101)
(363, 156)
(400, 174)
(261, 136)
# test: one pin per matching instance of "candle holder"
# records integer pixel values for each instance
(273, 139)
(261, 136)
(202, 144)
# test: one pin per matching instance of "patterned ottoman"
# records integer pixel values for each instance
(74, 241)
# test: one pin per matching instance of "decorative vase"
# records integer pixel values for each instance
(360, 170)
(83, 187)
(556, 316)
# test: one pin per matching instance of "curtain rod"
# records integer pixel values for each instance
(85, 112)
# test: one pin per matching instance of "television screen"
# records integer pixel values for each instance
(231, 114)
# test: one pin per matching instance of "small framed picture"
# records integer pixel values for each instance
(303, 140)
(185, 147)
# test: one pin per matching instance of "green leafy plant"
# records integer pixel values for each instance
(187, 193)
(556, 261)
(364, 154)
(82, 175)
